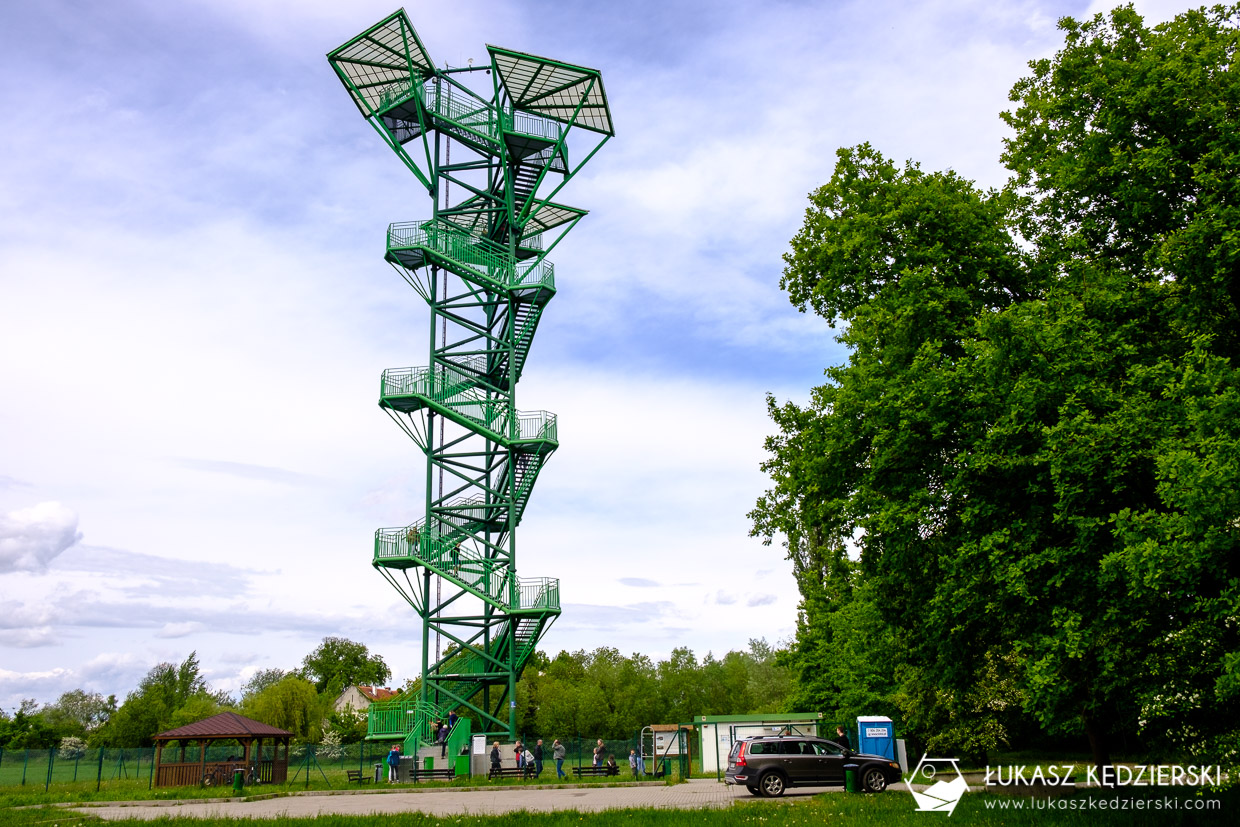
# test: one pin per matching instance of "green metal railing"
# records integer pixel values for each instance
(479, 255)
(525, 123)
(444, 102)
(459, 392)
(539, 593)
(536, 426)
(443, 550)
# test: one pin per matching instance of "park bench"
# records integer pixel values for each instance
(357, 776)
(596, 772)
(511, 772)
(445, 774)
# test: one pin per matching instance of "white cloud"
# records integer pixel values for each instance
(28, 637)
(175, 630)
(30, 538)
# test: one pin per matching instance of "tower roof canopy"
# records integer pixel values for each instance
(549, 216)
(554, 90)
(382, 62)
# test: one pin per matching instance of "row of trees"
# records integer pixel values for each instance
(1017, 507)
(172, 695)
(601, 694)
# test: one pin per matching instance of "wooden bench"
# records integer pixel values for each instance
(511, 772)
(357, 776)
(595, 772)
(445, 774)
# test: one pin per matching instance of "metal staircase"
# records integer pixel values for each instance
(497, 137)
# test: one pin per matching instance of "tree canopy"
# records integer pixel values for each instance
(338, 663)
(170, 695)
(1023, 483)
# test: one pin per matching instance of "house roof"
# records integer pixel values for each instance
(377, 693)
(224, 725)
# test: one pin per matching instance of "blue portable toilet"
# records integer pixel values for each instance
(876, 734)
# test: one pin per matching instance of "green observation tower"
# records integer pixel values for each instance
(489, 146)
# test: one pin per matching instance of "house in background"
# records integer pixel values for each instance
(361, 697)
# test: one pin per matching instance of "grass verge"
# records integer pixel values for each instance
(1148, 806)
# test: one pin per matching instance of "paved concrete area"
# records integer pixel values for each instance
(696, 794)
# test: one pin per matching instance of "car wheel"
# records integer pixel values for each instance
(754, 791)
(873, 780)
(772, 784)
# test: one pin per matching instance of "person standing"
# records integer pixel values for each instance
(558, 752)
(443, 740)
(633, 762)
(519, 754)
(599, 751)
(495, 759)
(538, 759)
(393, 761)
(841, 738)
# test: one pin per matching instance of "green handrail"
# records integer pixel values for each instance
(445, 102)
(459, 392)
(483, 257)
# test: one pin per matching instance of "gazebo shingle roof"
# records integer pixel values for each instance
(224, 725)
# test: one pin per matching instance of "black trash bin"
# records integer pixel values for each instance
(852, 781)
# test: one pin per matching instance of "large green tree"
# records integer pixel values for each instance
(1032, 446)
(338, 663)
(170, 695)
(77, 712)
(290, 703)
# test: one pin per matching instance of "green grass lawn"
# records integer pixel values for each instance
(894, 807)
(136, 789)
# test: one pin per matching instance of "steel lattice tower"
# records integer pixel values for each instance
(481, 266)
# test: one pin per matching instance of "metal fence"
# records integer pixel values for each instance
(47, 767)
(99, 768)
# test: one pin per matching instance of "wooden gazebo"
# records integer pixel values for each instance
(193, 764)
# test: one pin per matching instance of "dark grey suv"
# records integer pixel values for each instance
(769, 765)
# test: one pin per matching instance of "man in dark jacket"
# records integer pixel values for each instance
(538, 758)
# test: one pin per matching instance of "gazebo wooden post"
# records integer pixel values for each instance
(202, 758)
(159, 754)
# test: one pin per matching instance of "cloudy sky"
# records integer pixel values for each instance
(194, 312)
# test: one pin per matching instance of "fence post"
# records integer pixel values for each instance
(150, 779)
(76, 760)
(99, 777)
(51, 756)
(25, 763)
